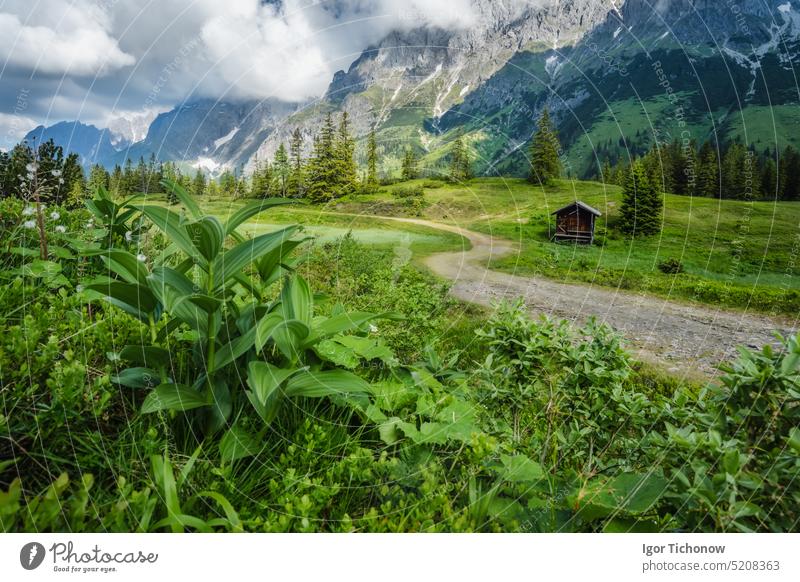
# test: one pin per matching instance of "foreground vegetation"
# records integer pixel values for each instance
(164, 370)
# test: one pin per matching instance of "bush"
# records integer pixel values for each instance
(670, 266)
(404, 192)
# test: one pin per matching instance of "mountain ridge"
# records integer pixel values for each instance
(591, 62)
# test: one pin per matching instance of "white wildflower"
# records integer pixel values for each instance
(373, 328)
(141, 257)
(61, 228)
(56, 173)
(89, 224)
(129, 236)
(29, 224)
(29, 210)
(55, 215)
(32, 167)
(79, 288)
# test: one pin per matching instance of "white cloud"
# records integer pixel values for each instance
(127, 57)
(291, 52)
(13, 128)
(54, 36)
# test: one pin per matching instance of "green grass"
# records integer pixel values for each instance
(329, 223)
(734, 253)
(738, 254)
(765, 127)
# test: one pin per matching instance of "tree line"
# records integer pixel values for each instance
(56, 176)
(733, 172)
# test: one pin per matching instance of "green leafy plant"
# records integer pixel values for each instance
(217, 316)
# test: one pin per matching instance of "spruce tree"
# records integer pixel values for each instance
(296, 183)
(347, 172)
(457, 155)
(708, 172)
(409, 167)
(281, 171)
(128, 185)
(98, 178)
(606, 173)
(199, 183)
(324, 167)
(640, 213)
(372, 161)
(545, 147)
(115, 181)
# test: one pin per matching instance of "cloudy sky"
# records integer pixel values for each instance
(101, 60)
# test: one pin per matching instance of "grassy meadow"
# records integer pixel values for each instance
(203, 367)
(738, 254)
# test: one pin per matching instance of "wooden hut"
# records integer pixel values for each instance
(575, 223)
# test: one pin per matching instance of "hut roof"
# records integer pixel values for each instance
(579, 204)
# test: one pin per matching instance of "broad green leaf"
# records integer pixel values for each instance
(367, 348)
(145, 355)
(207, 236)
(164, 479)
(235, 348)
(137, 378)
(794, 440)
(237, 444)
(173, 397)
(335, 353)
(288, 337)
(298, 301)
(215, 416)
(204, 302)
(250, 210)
(347, 322)
(164, 276)
(265, 379)
(124, 264)
(265, 328)
(174, 227)
(520, 469)
(232, 521)
(231, 262)
(627, 493)
(136, 300)
(270, 266)
(184, 197)
(327, 383)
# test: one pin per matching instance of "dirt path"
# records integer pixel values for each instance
(686, 339)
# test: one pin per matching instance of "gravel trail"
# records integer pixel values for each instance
(688, 340)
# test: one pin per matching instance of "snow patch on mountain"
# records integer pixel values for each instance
(218, 143)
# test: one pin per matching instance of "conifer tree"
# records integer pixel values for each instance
(347, 173)
(115, 181)
(606, 173)
(261, 180)
(460, 164)
(640, 213)
(295, 185)
(98, 178)
(323, 167)
(281, 171)
(128, 185)
(545, 147)
(409, 167)
(707, 172)
(372, 161)
(199, 183)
